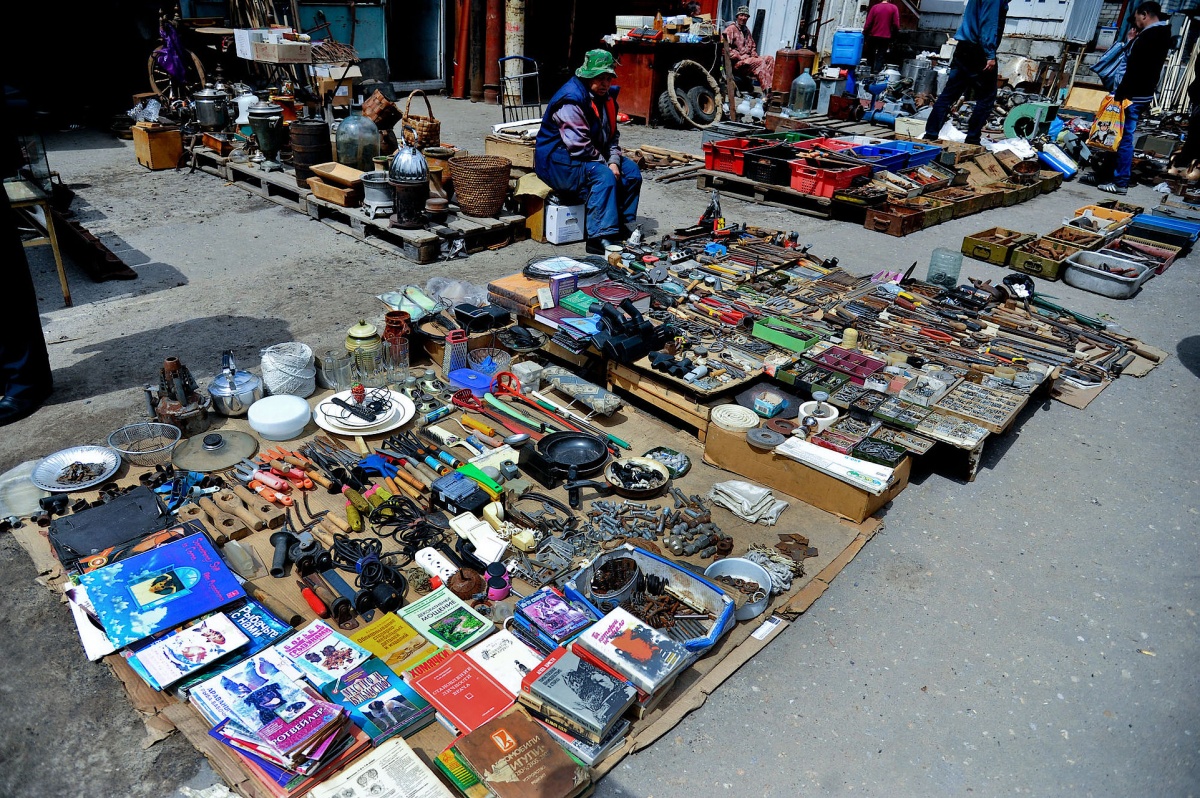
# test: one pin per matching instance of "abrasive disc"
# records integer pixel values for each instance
(215, 451)
(764, 438)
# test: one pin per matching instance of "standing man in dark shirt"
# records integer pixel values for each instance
(882, 23)
(973, 67)
(1143, 66)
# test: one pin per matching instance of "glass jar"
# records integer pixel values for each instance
(357, 141)
(803, 95)
(944, 267)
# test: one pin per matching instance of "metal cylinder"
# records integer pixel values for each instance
(478, 47)
(493, 48)
(788, 64)
(514, 34)
(462, 22)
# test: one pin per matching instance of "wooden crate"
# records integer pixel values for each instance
(157, 147)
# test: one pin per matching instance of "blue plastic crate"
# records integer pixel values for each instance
(919, 153)
(879, 157)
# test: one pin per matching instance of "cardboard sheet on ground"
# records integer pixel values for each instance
(837, 542)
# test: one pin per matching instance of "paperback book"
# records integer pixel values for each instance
(179, 653)
(257, 623)
(633, 648)
(464, 694)
(587, 696)
(515, 757)
(507, 658)
(446, 620)
(160, 589)
(322, 654)
(588, 752)
(393, 640)
(380, 702)
(548, 613)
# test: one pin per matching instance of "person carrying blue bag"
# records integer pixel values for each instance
(578, 152)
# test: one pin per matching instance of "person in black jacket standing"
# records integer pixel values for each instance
(1144, 65)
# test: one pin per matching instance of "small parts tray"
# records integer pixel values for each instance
(930, 176)
(1041, 258)
(1143, 250)
(785, 334)
(855, 365)
(1098, 219)
(1106, 274)
(1081, 239)
(994, 245)
(966, 201)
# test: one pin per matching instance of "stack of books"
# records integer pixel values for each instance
(576, 697)
(546, 620)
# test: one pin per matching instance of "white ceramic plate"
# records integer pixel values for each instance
(405, 411)
(46, 474)
(343, 418)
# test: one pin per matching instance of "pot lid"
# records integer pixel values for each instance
(231, 382)
(210, 93)
(265, 108)
(215, 451)
(363, 330)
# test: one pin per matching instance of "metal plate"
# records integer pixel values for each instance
(45, 475)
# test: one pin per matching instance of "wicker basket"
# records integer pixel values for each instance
(146, 444)
(380, 110)
(426, 130)
(480, 183)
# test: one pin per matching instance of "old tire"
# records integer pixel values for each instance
(702, 103)
(675, 113)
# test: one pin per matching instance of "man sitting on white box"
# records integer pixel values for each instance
(578, 152)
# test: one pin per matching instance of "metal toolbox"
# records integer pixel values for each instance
(1082, 239)
(894, 219)
(994, 245)
(1041, 258)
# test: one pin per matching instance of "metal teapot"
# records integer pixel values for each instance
(409, 178)
(233, 391)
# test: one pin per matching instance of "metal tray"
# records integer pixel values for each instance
(45, 474)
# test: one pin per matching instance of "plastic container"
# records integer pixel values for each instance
(880, 157)
(770, 164)
(728, 155)
(945, 264)
(824, 143)
(823, 182)
(279, 418)
(918, 153)
(847, 48)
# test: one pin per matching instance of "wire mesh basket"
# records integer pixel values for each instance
(148, 443)
(489, 360)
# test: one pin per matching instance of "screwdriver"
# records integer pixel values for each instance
(317, 605)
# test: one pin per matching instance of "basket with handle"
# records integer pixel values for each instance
(426, 130)
(480, 183)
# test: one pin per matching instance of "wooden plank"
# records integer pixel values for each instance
(775, 196)
(680, 407)
(279, 187)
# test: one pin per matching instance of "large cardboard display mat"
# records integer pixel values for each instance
(837, 541)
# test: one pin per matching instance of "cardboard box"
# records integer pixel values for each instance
(731, 452)
(565, 223)
(342, 90)
(533, 193)
(157, 147)
(283, 52)
(514, 148)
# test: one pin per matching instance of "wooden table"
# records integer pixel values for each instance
(23, 196)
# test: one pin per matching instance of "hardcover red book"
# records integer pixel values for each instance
(464, 693)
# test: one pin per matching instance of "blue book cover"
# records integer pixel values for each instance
(380, 702)
(160, 589)
(258, 624)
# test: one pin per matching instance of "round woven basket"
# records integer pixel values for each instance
(480, 183)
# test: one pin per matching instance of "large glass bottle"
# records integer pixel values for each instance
(803, 95)
(357, 141)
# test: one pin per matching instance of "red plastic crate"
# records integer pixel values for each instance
(727, 155)
(823, 182)
(833, 145)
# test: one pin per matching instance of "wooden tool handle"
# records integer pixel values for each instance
(337, 521)
(233, 505)
(319, 478)
(288, 615)
(228, 524)
(272, 516)
(407, 478)
(190, 512)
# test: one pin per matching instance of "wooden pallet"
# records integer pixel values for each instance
(684, 410)
(279, 187)
(419, 246)
(765, 193)
(207, 160)
(844, 127)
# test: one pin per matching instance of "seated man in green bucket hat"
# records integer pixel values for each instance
(578, 152)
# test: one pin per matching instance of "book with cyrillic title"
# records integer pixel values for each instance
(633, 648)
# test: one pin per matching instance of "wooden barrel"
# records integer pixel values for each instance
(788, 64)
(310, 145)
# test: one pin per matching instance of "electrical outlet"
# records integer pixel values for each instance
(434, 563)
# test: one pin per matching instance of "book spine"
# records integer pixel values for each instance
(510, 304)
(552, 715)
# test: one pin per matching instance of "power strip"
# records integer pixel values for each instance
(434, 563)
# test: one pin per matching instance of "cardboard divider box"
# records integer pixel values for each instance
(732, 452)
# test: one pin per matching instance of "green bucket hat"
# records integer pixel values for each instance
(743, 10)
(596, 63)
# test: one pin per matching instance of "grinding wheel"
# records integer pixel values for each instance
(763, 438)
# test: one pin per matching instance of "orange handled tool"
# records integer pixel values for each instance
(271, 494)
(478, 426)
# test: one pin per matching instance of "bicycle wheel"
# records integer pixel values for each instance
(161, 83)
